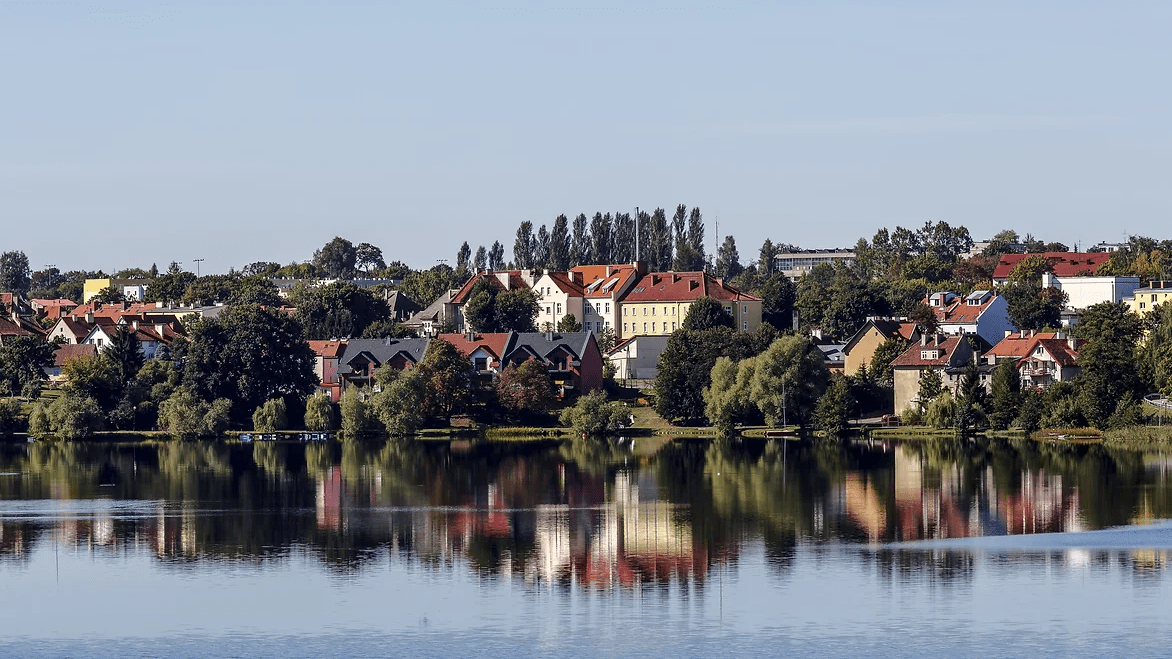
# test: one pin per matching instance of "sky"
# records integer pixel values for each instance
(135, 132)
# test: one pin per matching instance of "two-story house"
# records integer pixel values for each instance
(558, 294)
(1049, 361)
(659, 301)
(947, 355)
(603, 288)
(981, 312)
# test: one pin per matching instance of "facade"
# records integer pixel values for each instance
(861, 347)
(980, 312)
(637, 358)
(796, 264)
(573, 358)
(558, 294)
(1083, 292)
(948, 355)
(1049, 361)
(132, 289)
(657, 304)
(326, 367)
(603, 288)
(1143, 300)
(362, 357)
(1064, 264)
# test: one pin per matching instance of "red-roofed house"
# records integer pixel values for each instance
(10, 329)
(603, 288)
(659, 301)
(1065, 264)
(485, 351)
(64, 354)
(948, 355)
(980, 312)
(1014, 346)
(325, 366)
(558, 294)
(1051, 360)
(52, 309)
(502, 280)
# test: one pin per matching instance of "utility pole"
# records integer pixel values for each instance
(197, 262)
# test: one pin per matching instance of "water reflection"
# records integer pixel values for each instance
(587, 514)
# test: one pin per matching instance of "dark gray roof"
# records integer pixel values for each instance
(542, 344)
(384, 350)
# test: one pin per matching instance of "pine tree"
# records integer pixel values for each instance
(970, 399)
(728, 261)
(1006, 391)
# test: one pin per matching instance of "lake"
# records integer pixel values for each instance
(644, 547)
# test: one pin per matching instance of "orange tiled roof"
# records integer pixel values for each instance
(682, 287)
(913, 357)
(1065, 264)
(1017, 345)
(327, 349)
(494, 343)
(516, 280)
(611, 277)
(1059, 350)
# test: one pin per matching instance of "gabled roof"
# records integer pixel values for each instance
(1065, 264)
(384, 350)
(956, 310)
(494, 343)
(1017, 345)
(73, 350)
(56, 302)
(887, 328)
(565, 282)
(433, 312)
(515, 278)
(683, 287)
(401, 302)
(327, 349)
(78, 328)
(542, 345)
(9, 328)
(603, 281)
(913, 356)
(1059, 350)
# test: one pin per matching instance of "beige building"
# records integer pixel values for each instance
(659, 301)
(1143, 300)
(948, 355)
(861, 347)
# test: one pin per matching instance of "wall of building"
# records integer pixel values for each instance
(1083, 292)
(663, 318)
(861, 353)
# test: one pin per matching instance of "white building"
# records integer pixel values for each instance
(558, 294)
(1083, 292)
(796, 264)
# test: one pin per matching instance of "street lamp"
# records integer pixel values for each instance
(197, 262)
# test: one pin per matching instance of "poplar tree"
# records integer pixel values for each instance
(559, 245)
(580, 242)
(523, 246)
(600, 239)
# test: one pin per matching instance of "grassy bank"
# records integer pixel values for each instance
(1139, 435)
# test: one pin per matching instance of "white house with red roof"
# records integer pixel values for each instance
(1063, 264)
(1050, 360)
(981, 312)
(603, 288)
(659, 301)
(558, 294)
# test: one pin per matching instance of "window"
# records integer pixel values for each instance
(746, 327)
(559, 308)
(482, 363)
(624, 328)
(608, 307)
(728, 310)
(673, 311)
(745, 309)
(665, 311)
(644, 328)
(652, 327)
(644, 311)
(673, 327)
(652, 311)
(587, 326)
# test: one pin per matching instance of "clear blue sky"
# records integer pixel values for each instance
(139, 132)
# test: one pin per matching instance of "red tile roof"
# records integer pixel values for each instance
(515, 277)
(913, 355)
(683, 287)
(327, 349)
(57, 302)
(611, 277)
(1017, 345)
(566, 283)
(72, 350)
(1059, 350)
(494, 343)
(959, 310)
(1065, 264)
(9, 328)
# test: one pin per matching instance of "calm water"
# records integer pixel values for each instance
(588, 548)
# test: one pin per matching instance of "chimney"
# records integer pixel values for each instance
(674, 277)
(134, 324)
(89, 317)
(1007, 333)
(923, 339)
(608, 271)
(159, 327)
(471, 335)
(654, 279)
(1071, 341)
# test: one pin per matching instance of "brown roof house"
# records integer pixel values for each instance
(981, 312)
(948, 355)
(861, 347)
(1050, 360)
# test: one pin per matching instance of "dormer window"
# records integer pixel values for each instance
(929, 354)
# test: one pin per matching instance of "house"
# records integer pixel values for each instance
(71, 330)
(948, 355)
(558, 294)
(151, 337)
(637, 357)
(1143, 300)
(361, 357)
(65, 353)
(573, 358)
(52, 308)
(1085, 291)
(860, 348)
(131, 289)
(402, 307)
(603, 288)
(1051, 360)
(502, 280)
(1063, 264)
(326, 367)
(485, 351)
(796, 264)
(980, 312)
(1014, 346)
(10, 329)
(659, 301)
(434, 319)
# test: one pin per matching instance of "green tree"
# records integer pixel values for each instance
(931, 385)
(886, 352)
(96, 378)
(1006, 395)
(569, 324)
(337, 310)
(1156, 351)
(724, 401)
(463, 256)
(524, 256)
(337, 258)
(271, 417)
(1029, 415)
(526, 387)
(559, 245)
(185, 414)
(1030, 305)
(109, 295)
(169, 288)
(593, 415)
(516, 311)
(68, 417)
(400, 405)
(925, 318)
(789, 378)
(125, 354)
(427, 286)
(941, 411)
(728, 260)
(357, 417)
(450, 377)
(15, 276)
(778, 295)
(319, 413)
(249, 354)
(706, 313)
(368, 257)
(23, 360)
(1108, 359)
(834, 409)
(970, 399)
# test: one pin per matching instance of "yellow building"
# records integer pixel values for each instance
(1145, 299)
(133, 290)
(659, 301)
(862, 346)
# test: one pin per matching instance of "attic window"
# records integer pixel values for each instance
(929, 354)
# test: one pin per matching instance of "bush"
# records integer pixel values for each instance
(356, 416)
(319, 414)
(400, 405)
(593, 415)
(10, 416)
(941, 411)
(912, 416)
(68, 417)
(270, 417)
(185, 414)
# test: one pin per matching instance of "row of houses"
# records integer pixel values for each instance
(573, 359)
(622, 298)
